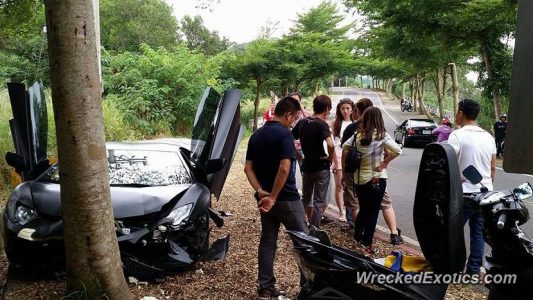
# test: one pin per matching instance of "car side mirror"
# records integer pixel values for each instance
(215, 165)
(17, 161)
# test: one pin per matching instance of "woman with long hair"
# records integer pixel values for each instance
(343, 118)
(372, 140)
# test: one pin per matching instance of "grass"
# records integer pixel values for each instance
(6, 144)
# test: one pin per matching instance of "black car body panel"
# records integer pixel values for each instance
(415, 131)
(160, 190)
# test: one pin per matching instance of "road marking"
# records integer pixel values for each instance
(383, 109)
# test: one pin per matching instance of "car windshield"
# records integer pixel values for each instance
(143, 168)
(421, 123)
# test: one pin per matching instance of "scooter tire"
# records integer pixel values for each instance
(410, 109)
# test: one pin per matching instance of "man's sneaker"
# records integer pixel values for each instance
(396, 239)
(270, 293)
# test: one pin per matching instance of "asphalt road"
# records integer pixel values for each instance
(403, 171)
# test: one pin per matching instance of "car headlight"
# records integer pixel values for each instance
(24, 215)
(179, 214)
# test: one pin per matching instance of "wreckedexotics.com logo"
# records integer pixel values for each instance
(432, 278)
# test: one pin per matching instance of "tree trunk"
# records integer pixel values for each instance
(439, 86)
(496, 96)
(317, 88)
(455, 88)
(403, 90)
(256, 102)
(413, 89)
(92, 254)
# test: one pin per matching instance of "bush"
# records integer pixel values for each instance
(158, 90)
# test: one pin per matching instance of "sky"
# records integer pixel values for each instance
(241, 20)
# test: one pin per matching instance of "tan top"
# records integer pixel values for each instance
(372, 156)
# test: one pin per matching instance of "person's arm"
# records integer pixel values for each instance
(254, 182)
(331, 151)
(392, 151)
(454, 142)
(266, 203)
(493, 167)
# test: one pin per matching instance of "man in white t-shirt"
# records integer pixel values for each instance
(474, 146)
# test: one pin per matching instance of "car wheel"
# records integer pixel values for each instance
(405, 141)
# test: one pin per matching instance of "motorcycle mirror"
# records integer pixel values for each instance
(472, 174)
(523, 191)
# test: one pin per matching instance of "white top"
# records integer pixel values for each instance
(337, 140)
(474, 146)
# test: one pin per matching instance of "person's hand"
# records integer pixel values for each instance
(266, 204)
(263, 194)
(382, 166)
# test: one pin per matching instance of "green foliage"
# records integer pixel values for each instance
(158, 89)
(127, 24)
(199, 38)
(23, 52)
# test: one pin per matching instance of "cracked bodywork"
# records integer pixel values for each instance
(160, 190)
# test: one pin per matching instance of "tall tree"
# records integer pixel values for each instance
(92, 254)
(199, 38)
(256, 63)
(480, 23)
(317, 46)
(126, 24)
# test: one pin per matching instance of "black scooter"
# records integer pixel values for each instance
(406, 105)
(512, 251)
(335, 273)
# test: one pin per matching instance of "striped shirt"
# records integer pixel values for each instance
(372, 156)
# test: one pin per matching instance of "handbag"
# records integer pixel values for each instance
(353, 158)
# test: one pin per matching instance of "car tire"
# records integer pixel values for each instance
(404, 141)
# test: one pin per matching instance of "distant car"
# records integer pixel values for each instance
(160, 190)
(415, 131)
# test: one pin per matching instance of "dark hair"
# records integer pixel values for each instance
(362, 104)
(296, 94)
(371, 121)
(285, 105)
(321, 104)
(470, 108)
(338, 116)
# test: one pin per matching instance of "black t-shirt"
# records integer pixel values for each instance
(267, 147)
(499, 129)
(349, 131)
(312, 132)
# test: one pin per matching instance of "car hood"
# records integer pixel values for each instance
(127, 201)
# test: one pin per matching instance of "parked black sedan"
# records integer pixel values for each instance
(160, 190)
(415, 131)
